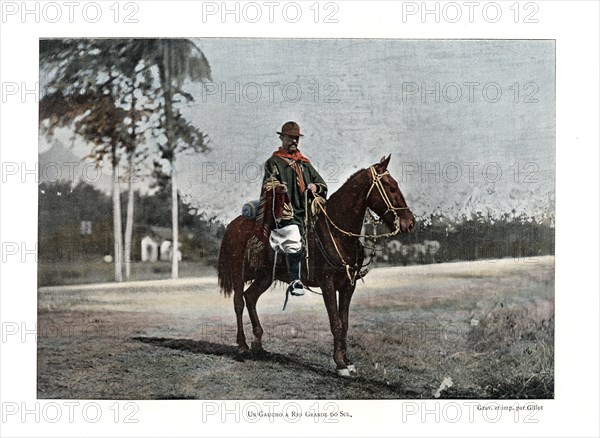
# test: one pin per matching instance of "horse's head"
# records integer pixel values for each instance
(386, 200)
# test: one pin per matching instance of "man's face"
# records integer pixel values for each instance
(289, 143)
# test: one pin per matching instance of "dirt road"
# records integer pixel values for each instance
(488, 327)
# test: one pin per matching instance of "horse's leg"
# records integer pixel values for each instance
(252, 294)
(346, 291)
(238, 305)
(330, 299)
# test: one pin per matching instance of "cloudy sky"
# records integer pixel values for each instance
(470, 124)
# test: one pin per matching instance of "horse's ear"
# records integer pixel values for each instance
(383, 164)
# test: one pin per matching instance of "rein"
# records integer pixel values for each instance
(376, 182)
(381, 189)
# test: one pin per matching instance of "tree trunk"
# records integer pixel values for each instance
(130, 192)
(117, 228)
(170, 148)
(175, 220)
(129, 223)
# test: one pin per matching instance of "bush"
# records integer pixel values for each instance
(523, 338)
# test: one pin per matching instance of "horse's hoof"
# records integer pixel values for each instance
(243, 349)
(343, 372)
(352, 369)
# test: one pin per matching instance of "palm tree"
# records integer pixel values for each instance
(141, 100)
(130, 149)
(86, 72)
(178, 60)
(86, 92)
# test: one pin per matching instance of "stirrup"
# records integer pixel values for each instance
(296, 288)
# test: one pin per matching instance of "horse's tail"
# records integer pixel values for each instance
(230, 265)
(224, 268)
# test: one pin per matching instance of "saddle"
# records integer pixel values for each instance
(273, 206)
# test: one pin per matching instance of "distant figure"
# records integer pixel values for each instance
(393, 249)
(166, 251)
(430, 249)
(289, 167)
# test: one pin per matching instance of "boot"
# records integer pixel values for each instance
(296, 287)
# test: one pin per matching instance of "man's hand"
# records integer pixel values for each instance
(312, 188)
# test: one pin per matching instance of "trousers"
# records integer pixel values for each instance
(286, 239)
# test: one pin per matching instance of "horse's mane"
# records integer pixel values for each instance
(354, 174)
(349, 184)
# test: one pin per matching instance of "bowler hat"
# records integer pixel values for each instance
(290, 128)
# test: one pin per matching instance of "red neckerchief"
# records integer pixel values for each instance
(296, 155)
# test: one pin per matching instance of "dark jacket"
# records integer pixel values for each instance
(284, 171)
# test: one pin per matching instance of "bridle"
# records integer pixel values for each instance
(375, 183)
(353, 271)
(386, 199)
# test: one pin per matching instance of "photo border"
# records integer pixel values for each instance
(574, 25)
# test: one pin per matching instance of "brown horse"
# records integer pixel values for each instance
(335, 255)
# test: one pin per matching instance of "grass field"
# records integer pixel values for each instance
(484, 328)
(88, 272)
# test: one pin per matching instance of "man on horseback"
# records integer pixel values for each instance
(289, 167)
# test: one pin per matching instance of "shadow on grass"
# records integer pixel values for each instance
(378, 388)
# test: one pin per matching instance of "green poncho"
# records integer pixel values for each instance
(285, 171)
